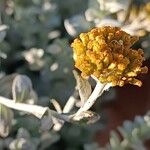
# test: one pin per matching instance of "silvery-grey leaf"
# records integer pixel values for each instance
(76, 25)
(2, 35)
(2, 74)
(6, 116)
(22, 144)
(91, 14)
(2, 32)
(114, 140)
(54, 34)
(6, 85)
(3, 27)
(58, 124)
(54, 49)
(113, 5)
(93, 4)
(48, 139)
(23, 133)
(83, 86)
(139, 120)
(21, 88)
(7, 142)
(1, 144)
(46, 123)
(107, 21)
(69, 104)
(91, 146)
(3, 55)
(33, 98)
(128, 126)
(138, 146)
(34, 57)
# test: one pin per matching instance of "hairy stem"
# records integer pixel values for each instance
(98, 91)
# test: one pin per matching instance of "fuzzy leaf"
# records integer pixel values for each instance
(23, 133)
(83, 87)
(6, 116)
(114, 140)
(21, 88)
(46, 122)
(6, 84)
(22, 144)
(47, 139)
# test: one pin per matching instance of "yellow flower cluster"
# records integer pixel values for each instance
(106, 54)
(147, 8)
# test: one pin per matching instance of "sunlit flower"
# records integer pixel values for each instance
(106, 53)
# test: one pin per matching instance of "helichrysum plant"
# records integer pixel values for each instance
(105, 54)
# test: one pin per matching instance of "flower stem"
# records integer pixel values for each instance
(98, 91)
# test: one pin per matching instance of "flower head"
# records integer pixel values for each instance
(106, 53)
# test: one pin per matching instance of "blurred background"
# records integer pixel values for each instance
(35, 37)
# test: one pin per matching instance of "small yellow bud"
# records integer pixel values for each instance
(121, 67)
(131, 74)
(112, 66)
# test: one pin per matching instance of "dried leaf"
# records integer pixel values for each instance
(83, 86)
(86, 117)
